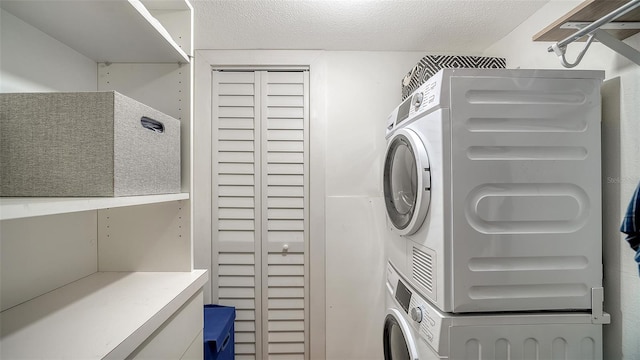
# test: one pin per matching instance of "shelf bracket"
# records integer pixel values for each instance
(595, 31)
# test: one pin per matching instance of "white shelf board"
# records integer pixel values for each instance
(103, 30)
(106, 315)
(15, 208)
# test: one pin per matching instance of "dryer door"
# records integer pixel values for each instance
(397, 340)
(407, 181)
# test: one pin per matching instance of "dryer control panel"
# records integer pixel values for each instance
(423, 100)
(427, 96)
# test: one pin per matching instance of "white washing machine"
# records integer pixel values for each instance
(492, 187)
(401, 334)
(415, 329)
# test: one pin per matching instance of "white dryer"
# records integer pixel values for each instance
(492, 187)
(415, 329)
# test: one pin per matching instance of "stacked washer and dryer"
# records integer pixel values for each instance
(492, 186)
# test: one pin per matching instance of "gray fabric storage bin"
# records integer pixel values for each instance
(86, 144)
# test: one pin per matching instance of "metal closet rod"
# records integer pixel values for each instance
(597, 24)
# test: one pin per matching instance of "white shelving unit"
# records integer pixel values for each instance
(105, 315)
(99, 278)
(112, 31)
(17, 208)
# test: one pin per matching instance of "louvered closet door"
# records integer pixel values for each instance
(261, 188)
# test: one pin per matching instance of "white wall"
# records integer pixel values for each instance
(32, 61)
(621, 162)
(45, 65)
(362, 89)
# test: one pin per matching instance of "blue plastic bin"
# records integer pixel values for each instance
(218, 332)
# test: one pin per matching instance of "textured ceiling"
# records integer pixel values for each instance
(445, 26)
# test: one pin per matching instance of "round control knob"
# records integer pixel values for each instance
(417, 100)
(416, 314)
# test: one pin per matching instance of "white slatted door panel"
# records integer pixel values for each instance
(261, 172)
(237, 161)
(284, 213)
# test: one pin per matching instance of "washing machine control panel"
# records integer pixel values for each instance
(420, 313)
(426, 321)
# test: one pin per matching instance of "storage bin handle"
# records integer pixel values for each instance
(152, 124)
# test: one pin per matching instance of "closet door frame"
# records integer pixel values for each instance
(206, 61)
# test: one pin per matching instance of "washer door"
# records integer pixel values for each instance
(398, 343)
(407, 181)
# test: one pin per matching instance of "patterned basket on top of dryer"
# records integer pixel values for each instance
(431, 64)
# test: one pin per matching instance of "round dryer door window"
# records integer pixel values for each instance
(407, 181)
